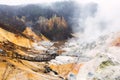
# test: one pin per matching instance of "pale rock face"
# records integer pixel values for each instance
(99, 58)
(63, 60)
(102, 54)
(39, 47)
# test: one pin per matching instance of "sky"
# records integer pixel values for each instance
(20, 2)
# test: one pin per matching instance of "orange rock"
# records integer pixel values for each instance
(29, 33)
(116, 42)
(18, 40)
(64, 69)
(115, 39)
(76, 68)
(61, 51)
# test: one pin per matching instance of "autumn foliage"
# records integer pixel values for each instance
(54, 26)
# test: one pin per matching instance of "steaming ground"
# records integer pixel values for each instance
(97, 26)
(99, 21)
(99, 58)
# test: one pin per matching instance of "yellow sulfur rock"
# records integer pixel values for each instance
(29, 33)
(64, 69)
(16, 39)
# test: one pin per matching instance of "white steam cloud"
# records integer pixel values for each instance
(24, 2)
(100, 17)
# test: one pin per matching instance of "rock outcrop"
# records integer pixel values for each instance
(15, 38)
(19, 60)
(32, 35)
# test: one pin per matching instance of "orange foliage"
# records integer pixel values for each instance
(54, 22)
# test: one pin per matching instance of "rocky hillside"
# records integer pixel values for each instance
(19, 59)
(52, 21)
